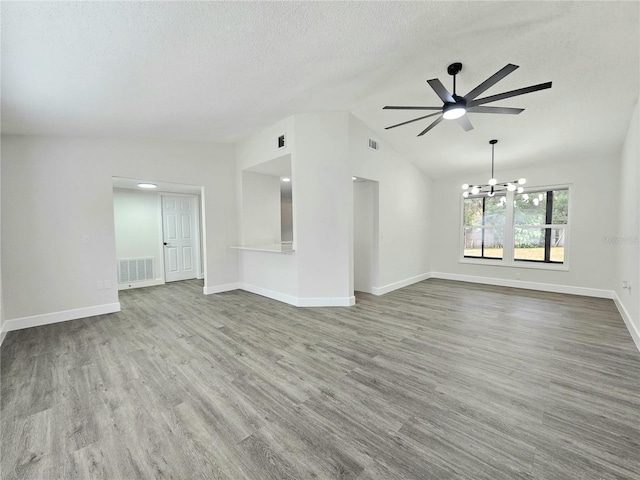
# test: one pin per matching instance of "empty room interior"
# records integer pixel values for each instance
(320, 240)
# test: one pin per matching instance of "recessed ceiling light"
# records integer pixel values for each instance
(147, 185)
(286, 179)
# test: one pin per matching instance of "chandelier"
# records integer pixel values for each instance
(493, 185)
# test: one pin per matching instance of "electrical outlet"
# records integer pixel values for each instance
(626, 285)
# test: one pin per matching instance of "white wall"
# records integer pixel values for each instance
(323, 205)
(593, 203)
(2, 323)
(404, 208)
(326, 150)
(57, 215)
(271, 274)
(138, 230)
(319, 272)
(260, 209)
(626, 241)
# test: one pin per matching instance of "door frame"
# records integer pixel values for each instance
(195, 199)
(375, 238)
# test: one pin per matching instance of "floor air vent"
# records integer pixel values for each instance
(132, 270)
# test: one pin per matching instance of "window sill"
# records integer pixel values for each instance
(563, 267)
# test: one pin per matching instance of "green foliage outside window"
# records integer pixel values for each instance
(531, 210)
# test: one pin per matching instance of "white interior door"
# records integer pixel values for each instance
(179, 230)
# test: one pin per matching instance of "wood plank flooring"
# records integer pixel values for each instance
(439, 380)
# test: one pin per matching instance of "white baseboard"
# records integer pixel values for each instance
(402, 283)
(145, 283)
(544, 287)
(281, 297)
(3, 333)
(55, 317)
(226, 287)
(633, 330)
(300, 301)
(327, 302)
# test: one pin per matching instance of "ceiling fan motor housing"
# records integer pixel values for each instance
(459, 101)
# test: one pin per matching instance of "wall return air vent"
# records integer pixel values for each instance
(373, 144)
(131, 270)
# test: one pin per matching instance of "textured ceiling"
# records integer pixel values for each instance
(218, 71)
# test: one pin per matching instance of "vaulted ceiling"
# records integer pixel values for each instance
(219, 71)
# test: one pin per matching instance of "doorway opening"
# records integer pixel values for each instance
(158, 232)
(365, 235)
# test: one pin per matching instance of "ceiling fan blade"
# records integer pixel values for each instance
(395, 107)
(490, 82)
(464, 122)
(442, 92)
(512, 93)
(436, 121)
(507, 110)
(410, 121)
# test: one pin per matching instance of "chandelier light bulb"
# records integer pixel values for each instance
(536, 202)
(457, 109)
(465, 194)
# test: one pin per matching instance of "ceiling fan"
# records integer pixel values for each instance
(456, 107)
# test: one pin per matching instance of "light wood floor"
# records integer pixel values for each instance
(437, 380)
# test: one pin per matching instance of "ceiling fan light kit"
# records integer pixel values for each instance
(455, 107)
(451, 111)
(493, 186)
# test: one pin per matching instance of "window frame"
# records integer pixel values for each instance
(484, 227)
(508, 259)
(548, 226)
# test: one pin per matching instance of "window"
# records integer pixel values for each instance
(484, 220)
(522, 229)
(540, 220)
